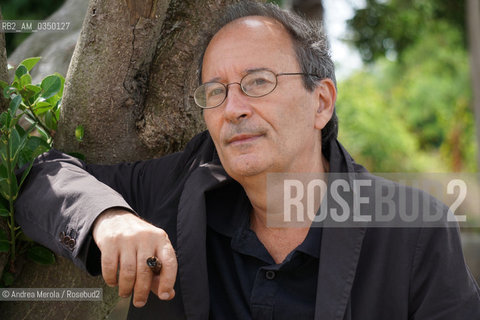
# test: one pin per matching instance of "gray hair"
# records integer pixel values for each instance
(309, 40)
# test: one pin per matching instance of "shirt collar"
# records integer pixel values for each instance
(228, 206)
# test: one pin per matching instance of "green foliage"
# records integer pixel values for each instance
(79, 133)
(27, 128)
(388, 28)
(413, 115)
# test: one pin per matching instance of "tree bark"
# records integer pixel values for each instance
(473, 27)
(131, 77)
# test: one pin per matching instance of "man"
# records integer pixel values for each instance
(268, 90)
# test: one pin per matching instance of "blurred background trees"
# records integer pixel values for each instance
(417, 68)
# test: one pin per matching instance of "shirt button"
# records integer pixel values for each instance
(270, 275)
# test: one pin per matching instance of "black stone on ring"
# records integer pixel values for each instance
(154, 264)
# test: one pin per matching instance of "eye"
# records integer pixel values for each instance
(215, 91)
(257, 81)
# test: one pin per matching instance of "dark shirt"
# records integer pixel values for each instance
(244, 280)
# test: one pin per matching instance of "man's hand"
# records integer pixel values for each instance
(126, 242)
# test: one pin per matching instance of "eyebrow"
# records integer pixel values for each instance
(246, 71)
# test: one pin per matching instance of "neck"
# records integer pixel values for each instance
(257, 191)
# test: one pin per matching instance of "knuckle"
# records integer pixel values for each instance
(162, 234)
(169, 261)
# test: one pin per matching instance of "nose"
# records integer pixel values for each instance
(236, 104)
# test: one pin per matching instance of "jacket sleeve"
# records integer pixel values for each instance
(63, 196)
(442, 286)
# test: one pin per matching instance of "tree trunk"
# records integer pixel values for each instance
(473, 27)
(130, 80)
(129, 84)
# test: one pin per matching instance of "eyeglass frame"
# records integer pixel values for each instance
(241, 87)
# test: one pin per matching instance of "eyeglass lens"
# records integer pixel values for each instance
(254, 84)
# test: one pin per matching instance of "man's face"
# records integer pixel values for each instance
(279, 132)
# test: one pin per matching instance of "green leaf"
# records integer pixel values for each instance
(4, 188)
(3, 84)
(33, 88)
(79, 133)
(25, 79)
(35, 146)
(4, 245)
(7, 278)
(15, 140)
(25, 174)
(3, 235)
(60, 93)
(3, 173)
(14, 104)
(4, 213)
(21, 70)
(4, 119)
(17, 149)
(29, 63)
(50, 86)
(40, 255)
(4, 207)
(8, 91)
(50, 120)
(41, 107)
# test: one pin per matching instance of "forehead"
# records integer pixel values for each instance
(248, 43)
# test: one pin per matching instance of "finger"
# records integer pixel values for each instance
(165, 281)
(143, 280)
(128, 270)
(109, 261)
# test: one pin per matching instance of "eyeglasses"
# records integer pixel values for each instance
(255, 84)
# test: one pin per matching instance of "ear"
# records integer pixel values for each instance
(326, 94)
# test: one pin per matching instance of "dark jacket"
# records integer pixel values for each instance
(364, 273)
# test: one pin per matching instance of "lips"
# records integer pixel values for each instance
(243, 138)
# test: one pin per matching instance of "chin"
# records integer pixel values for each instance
(245, 167)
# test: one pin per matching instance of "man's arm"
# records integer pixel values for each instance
(61, 204)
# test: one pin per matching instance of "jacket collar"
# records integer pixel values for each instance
(339, 254)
